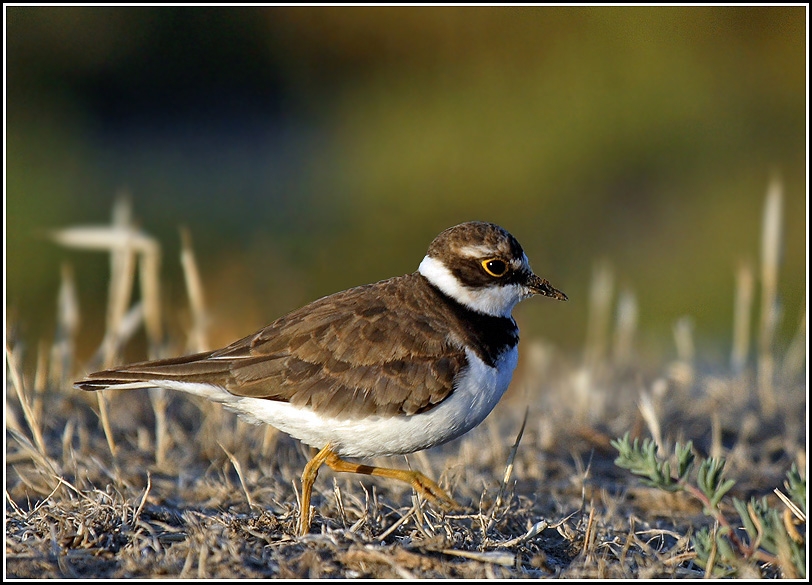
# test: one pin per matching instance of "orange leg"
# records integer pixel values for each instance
(311, 471)
(421, 484)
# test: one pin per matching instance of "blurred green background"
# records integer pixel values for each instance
(312, 149)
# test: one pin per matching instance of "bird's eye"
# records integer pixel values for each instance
(495, 267)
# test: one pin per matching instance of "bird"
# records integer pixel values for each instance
(381, 369)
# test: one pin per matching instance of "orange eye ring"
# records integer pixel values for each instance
(496, 267)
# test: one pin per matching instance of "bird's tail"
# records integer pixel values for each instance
(190, 368)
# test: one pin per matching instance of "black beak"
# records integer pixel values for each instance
(540, 286)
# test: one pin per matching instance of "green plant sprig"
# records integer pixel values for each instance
(768, 540)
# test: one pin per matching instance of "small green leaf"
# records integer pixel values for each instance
(685, 459)
(721, 490)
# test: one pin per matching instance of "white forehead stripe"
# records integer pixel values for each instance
(496, 300)
(475, 251)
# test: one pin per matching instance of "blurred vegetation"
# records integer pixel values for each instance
(312, 149)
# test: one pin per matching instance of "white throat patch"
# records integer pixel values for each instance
(496, 300)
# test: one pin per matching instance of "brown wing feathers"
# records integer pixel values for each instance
(313, 357)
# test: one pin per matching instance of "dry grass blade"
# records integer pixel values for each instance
(61, 481)
(649, 414)
(159, 401)
(508, 472)
(122, 277)
(201, 562)
(14, 506)
(342, 513)
(100, 238)
(626, 326)
(150, 268)
(41, 372)
(238, 468)
(590, 534)
(30, 451)
(494, 557)
(742, 307)
(198, 339)
(67, 326)
(534, 531)
(104, 415)
(396, 524)
(682, 371)
(713, 552)
(17, 383)
(600, 300)
(421, 522)
(67, 438)
(799, 514)
(770, 251)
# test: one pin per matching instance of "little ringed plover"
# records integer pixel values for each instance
(382, 369)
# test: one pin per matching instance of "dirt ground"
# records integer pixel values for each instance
(197, 493)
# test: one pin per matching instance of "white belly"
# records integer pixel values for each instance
(477, 392)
